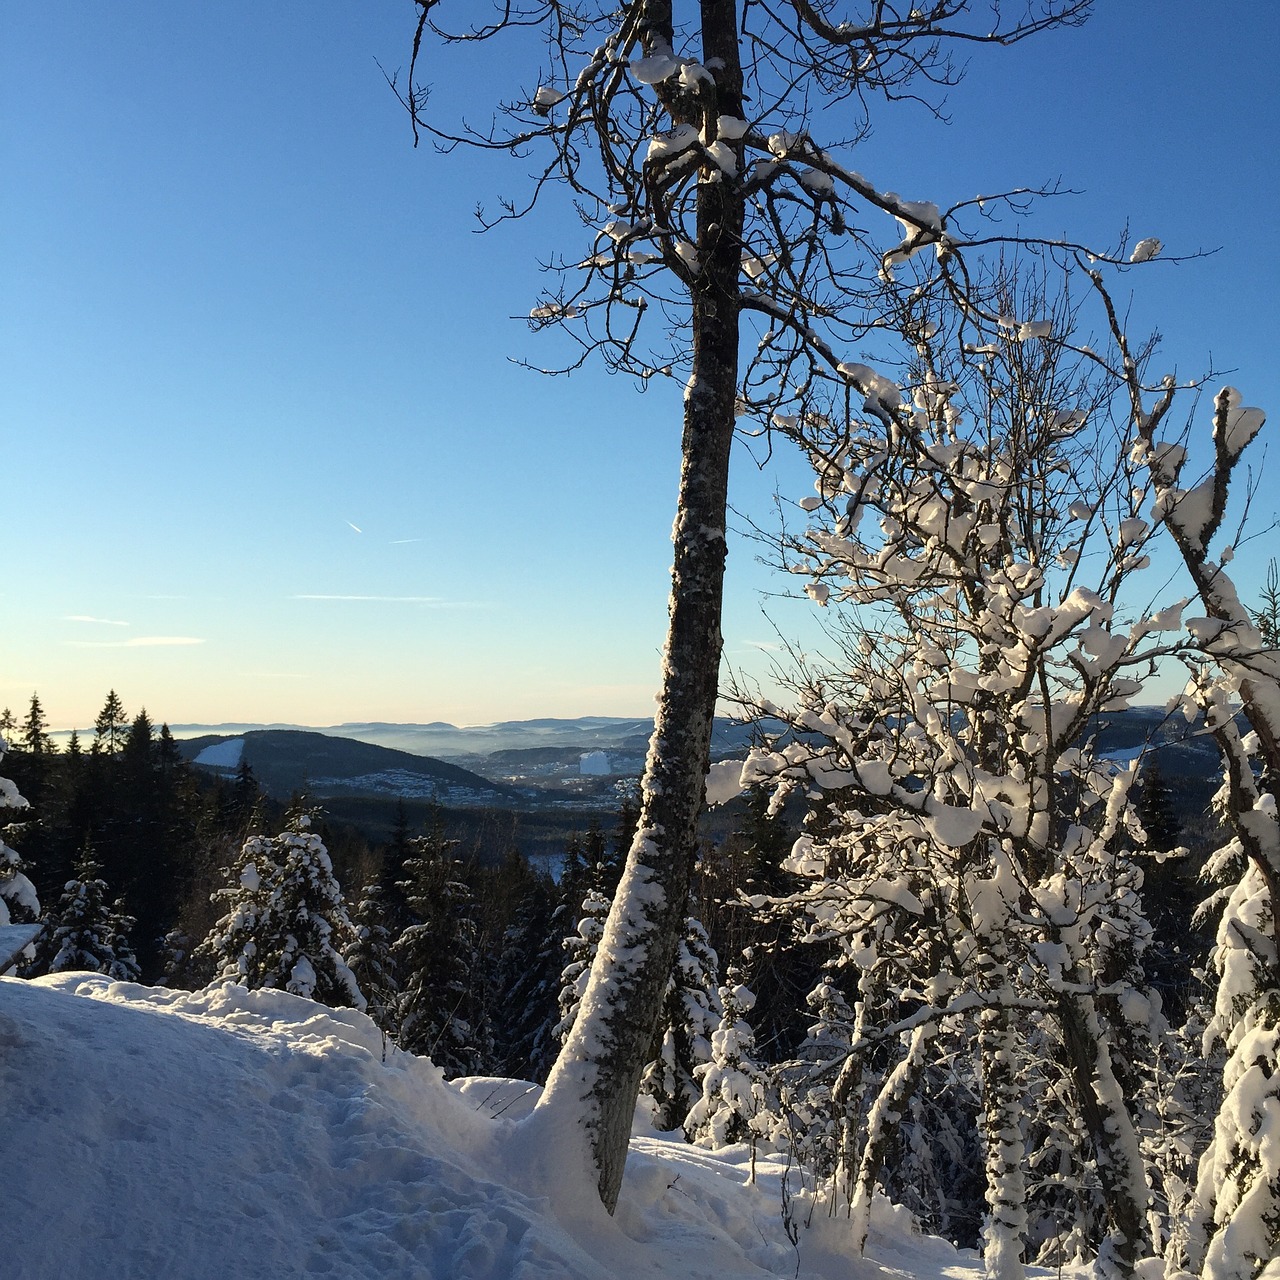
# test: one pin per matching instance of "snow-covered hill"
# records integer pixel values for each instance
(148, 1133)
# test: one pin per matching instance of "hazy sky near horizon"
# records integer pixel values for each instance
(266, 455)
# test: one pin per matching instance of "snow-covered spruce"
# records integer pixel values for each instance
(19, 902)
(286, 925)
(580, 951)
(85, 931)
(691, 1014)
(736, 1089)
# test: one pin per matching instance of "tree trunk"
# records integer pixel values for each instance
(1115, 1144)
(882, 1129)
(1004, 1231)
(597, 1074)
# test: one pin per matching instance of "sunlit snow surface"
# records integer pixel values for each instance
(228, 1133)
(222, 755)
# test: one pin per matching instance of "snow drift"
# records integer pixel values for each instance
(257, 1134)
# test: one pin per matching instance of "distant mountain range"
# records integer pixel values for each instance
(449, 741)
(497, 763)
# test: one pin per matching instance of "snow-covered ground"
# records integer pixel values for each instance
(149, 1133)
(222, 755)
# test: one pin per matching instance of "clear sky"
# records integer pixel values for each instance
(264, 453)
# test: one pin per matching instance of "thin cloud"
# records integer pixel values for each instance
(355, 527)
(431, 602)
(400, 542)
(136, 642)
(84, 617)
(376, 599)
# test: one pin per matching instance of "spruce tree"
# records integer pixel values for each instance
(437, 956)
(304, 952)
(528, 982)
(87, 932)
(232, 950)
(735, 1087)
(580, 950)
(111, 727)
(691, 1014)
(19, 903)
(371, 960)
(287, 926)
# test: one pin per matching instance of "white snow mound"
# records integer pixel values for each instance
(256, 1134)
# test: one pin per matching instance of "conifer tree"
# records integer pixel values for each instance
(439, 1013)
(691, 1014)
(111, 727)
(580, 950)
(529, 982)
(287, 926)
(736, 1089)
(305, 952)
(232, 949)
(19, 902)
(370, 958)
(86, 932)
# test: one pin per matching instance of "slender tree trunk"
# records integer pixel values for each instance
(1115, 1144)
(599, 1068)
(1004, 1231)
(882, 1129)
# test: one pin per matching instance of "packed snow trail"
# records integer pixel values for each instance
(152, 1133)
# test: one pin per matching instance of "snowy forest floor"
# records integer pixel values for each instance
(153, 1133)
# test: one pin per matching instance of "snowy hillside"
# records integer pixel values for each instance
(150, 1133)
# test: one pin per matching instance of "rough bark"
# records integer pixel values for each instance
(600, 1067)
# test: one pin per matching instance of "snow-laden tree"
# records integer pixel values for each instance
(19, 902)
(580, 951)
(978, 526)
(85, 931)
(287, 924)
(1236, 1228)
(231, 951)
(709, 149)
(737, 1091)
(691, 1014)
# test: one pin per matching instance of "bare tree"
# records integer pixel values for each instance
(685, 135)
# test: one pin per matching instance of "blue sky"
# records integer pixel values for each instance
(240, 314)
